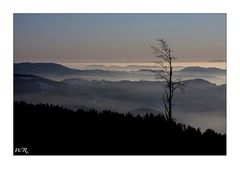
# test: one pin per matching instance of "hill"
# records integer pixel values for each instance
(42, 68)
(52, 130)
(23, 83)
(142, 111)
(120, 95)
(59, 72)
(129, 96)
(194, 69)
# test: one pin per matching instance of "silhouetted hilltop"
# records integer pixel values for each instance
(59, 72)
(41, 68)
(112, 73)
(200, 96)
(52, 130)
(148, 70)
(23, 83)
(194, 69)
(143, 111)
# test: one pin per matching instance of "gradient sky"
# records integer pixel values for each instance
(117, 37)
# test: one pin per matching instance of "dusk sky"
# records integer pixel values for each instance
(117, 37)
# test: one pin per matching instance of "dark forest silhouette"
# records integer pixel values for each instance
(53, 130)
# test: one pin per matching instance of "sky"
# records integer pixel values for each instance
(117, 38)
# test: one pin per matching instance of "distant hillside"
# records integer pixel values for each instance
(148, 70)
(200, 98)
(53, 130)
(24, 83)
(59, 72)
(43, 68)
(121, 95)
(194, 69)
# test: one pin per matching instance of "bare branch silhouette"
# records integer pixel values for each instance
(164, 53)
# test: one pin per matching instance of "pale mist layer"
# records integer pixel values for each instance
(145, 71)
(203, 104)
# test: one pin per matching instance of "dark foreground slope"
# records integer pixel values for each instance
(52, 130)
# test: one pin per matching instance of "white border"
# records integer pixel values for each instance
(8, 7)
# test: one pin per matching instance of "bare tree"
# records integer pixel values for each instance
(164, 53)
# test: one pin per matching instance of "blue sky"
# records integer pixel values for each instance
(117, 37)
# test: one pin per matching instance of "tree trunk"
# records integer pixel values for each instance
(170, 90)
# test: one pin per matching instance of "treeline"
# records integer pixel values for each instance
(53, 130)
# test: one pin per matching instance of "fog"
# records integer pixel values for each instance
(133, 89)
(199, 105)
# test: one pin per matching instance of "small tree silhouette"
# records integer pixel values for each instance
(164, 53)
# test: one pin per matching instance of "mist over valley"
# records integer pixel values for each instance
(137, 92)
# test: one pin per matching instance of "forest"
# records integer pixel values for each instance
(46, 129)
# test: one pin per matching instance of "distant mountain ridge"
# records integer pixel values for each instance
(192, 69)
(41, 68)
(138, 97)
(202, 69)
(54, 68)
(23, 83)
(59, 72)
(139, 92)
